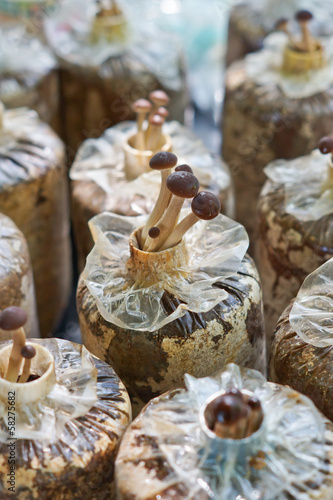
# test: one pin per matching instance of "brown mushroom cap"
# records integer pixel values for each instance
(162, 112)
(28, 352)
(226, 409)
(154, 232)
(254, 403)
(325, 145)
(281, 23)
(159, 97)
(303, 16)
(156, 120)
(184, 168)
(206, 205)
(183, 184)
(163, 160)
(141, 106)
(13, 318)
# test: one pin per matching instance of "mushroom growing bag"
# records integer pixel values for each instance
(216, 250)
(167, 450)
(311, 315)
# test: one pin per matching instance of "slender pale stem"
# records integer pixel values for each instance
(140, 136)
(179, 231)
(167, 223)
(161, 205)
(26, 371)
(15, 359)
(307, 37)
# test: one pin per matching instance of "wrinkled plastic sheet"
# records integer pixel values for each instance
(311, 315)
(69, 35)
(216, 249)
(24, 61)
(308, 192)
(102, 161)
(23, 124)
(289, 447)
(72, 396)
(265, 68)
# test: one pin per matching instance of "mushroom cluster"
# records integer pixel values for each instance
(234, 415)
(307, 43)
(149, 136)
(162, 230)
(13, 320)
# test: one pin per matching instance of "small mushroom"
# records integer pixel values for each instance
(282, 25)
(182, 185)
(205, 205)
(154, 232)
(27, 352)
(154, 132)
(13, 319)
(325, 145)
(159, 99)
(162, 112)
(184, 168)
(141, 107)
(163, 161)
(303, 17)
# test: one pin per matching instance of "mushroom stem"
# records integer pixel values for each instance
(154, 132)
(167, 223)
(140, 135)
(26, 372)
(162, 203)
(177, 234)
(15, 359)
(307, 41)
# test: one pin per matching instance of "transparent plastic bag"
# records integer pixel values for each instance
(283, 459)
(102, 161)
(311, 315)
(216, 250)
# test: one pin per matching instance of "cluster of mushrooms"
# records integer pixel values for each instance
(13, 319)
(150, 117)
(234, 415)
(163, 229)
(108, 8)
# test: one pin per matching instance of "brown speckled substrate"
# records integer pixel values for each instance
(150, 363)
(260, 124)
(93, 101)
(144, 473)
(89, 199)
(61, 471)
(302, 366)
(34, 194)
(16, 280)
(287, 251)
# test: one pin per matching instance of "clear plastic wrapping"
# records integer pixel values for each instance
(16, 279)
(34, 193)
(216, 250)
(288, 457)
(27, 72)
(311, 315)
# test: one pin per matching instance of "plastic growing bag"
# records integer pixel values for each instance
(287, 458)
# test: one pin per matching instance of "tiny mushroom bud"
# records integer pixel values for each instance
(281, 24)
(154, 232)
(13, 319)
(163, 161)
(162, 112)
(256, 416)
(184, 168)
(27, 352)
(205, 205)
(159, 98)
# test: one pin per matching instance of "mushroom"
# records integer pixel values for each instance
(141, 107)
(162, 112)
(184, 168)
(303, 17)
(282, 25)
(234, 415)
(13, 319)
(182, 185)
(205, 205)
(159, 99)
(325, 145)
(154, 132)
(163, 161)
(154, 232)
(27, 352)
